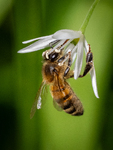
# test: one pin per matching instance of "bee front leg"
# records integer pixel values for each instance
(69, 65)
(67, 73)
(89, 63)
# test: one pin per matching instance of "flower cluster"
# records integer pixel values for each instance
(68, 40)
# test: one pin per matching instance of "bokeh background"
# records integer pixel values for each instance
(20, 77)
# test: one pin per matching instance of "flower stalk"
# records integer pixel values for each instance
(88, 16)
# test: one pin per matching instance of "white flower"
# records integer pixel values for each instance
(63, 38)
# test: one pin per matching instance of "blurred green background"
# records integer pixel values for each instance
(20, 77)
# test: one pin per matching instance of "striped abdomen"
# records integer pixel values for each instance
(66, 99)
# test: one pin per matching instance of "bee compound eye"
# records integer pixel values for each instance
(53, 56)
(52, 70)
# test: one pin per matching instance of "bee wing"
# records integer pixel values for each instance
(55, 104)
(38, 99)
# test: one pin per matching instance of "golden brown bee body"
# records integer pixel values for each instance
(53, 74)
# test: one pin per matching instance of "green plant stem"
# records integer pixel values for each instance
(85, 23)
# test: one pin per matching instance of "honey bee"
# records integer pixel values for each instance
(55, 72)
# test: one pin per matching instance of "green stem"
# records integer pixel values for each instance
(85, 23)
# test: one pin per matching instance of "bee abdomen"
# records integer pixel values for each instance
(70, 110)
(73, 106)
(67, 100)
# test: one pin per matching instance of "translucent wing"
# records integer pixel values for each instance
(38, 100)
(55, 104)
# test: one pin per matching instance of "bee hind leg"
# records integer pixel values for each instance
(89, 63)
(87, 69)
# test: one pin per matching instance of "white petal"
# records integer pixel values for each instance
(66, 34)
(94, 84)
(37, 45)
(74, 53)
(39, 38)
(78, 63)
(69, 47)
(86, 46)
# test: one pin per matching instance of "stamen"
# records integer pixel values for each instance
(65, 43)
(43, 54)
(50, 51)
(56, 46)
(59, 44)
(69, 48)
(60, 64)
(53, 43)
(47, 55)
(57, 50)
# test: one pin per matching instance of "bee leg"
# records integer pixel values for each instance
(87, 69)
(89, 63)
(69, 65)
(67, 73)
(70, 74)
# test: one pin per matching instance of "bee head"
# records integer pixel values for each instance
(53, 56)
